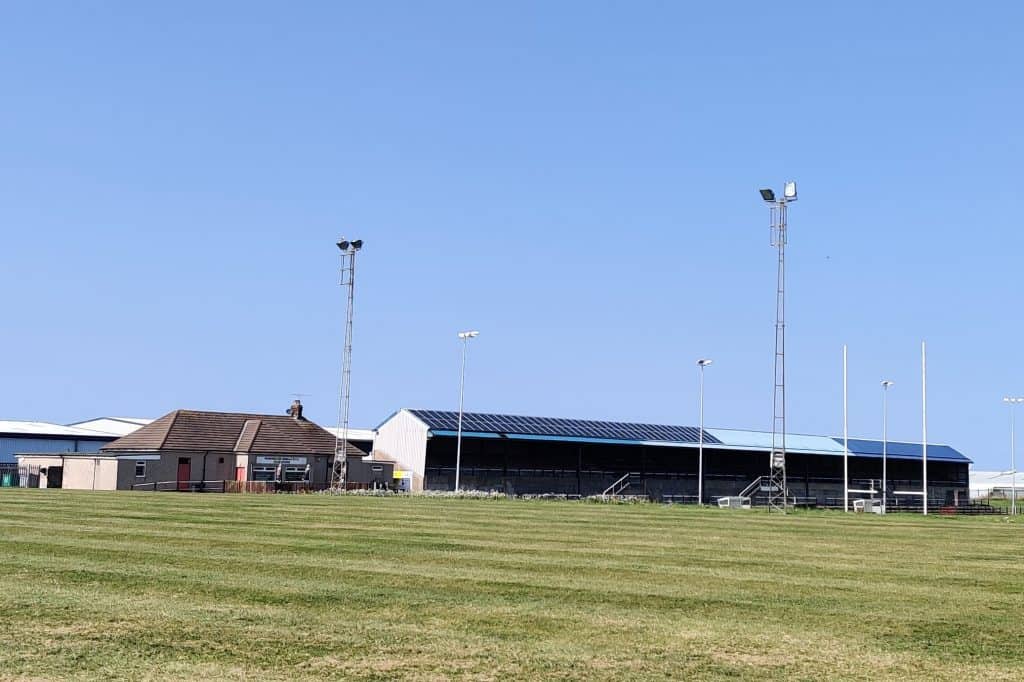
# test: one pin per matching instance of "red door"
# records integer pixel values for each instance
(184, 472)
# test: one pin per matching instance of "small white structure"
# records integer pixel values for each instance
(867, 506)
(734, 502)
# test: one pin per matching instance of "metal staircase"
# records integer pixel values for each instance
(765, 491)
(754, 485)
(617, 487)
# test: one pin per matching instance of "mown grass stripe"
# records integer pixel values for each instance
(130, 585)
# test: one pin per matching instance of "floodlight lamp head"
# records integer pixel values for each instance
(789, 191)
(704, 362)
(343, 244)
(886, 383)
(472, 334)
(357, 244)
(768, 195)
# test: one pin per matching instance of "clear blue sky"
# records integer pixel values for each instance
(576, 180)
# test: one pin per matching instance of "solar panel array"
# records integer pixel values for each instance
(438, 420)
(873, 448)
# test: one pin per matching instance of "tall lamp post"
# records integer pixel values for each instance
(885, 440)
(339, 470)
(702, 363)
(465, 336)
(1013, 402)
(779, 206)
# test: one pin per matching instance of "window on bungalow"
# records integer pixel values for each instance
(263, 473)
(294, 473)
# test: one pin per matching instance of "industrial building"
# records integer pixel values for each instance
(88, 436)
(996, 485)
(537, 455)
(113, 426)
(18, 436)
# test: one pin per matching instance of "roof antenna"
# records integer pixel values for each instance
(295, 410)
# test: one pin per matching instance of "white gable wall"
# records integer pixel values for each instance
(402, 439)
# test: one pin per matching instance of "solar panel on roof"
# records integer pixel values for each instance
(565, 428)
(873, 448)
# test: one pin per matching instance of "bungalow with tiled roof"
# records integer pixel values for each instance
(189, 449)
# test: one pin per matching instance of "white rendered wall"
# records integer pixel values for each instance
(403, 440)
(99, 473)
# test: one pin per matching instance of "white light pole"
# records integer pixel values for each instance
(1013, 402)
(846, 441)
(702, 363)
(924, 426)
(885, 440)
(465, 336)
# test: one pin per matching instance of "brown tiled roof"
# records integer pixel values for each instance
(228, 432)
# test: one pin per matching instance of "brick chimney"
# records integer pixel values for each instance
(295, 411)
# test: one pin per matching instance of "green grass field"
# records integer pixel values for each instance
(144, 585)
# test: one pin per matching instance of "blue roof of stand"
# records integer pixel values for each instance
(559, 429)
(898, 450)
(481, 425)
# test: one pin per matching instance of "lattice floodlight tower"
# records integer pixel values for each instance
(339, 471)
(778, 493)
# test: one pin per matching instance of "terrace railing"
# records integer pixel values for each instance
(617, 487)
(754, 485)
(759, 489)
